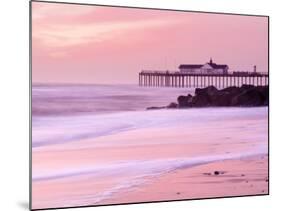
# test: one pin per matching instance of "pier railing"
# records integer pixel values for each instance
(160, 78)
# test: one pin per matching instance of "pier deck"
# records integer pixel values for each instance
(178, 79)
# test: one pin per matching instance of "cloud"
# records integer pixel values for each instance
(58, 27)
(57, 12)
(66, 35)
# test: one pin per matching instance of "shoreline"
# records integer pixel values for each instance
(228, 178)
(236, 177)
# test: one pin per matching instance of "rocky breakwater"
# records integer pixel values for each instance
(244, 96)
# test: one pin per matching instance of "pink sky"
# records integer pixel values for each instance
(93, 44)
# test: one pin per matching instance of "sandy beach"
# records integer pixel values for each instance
(247, 176)
(143, 157)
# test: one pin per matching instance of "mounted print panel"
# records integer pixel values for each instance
(135, 105)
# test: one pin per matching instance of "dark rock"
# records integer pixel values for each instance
(222, 99)
(219, 172)
(216, 172)
(231, 91)
(250, 97)
(210, 96)
(200, 101)
(200, 91)
(245, 87)
(155, 108)
(204, 97)
(209, 93)
(264, 90)
(172, 105)
(184, 101)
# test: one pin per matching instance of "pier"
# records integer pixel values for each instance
(179, 79)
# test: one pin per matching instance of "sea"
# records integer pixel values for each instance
(103, 139)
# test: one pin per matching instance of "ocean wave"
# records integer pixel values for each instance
(59, 130)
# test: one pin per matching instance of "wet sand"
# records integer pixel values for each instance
(247, 176)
